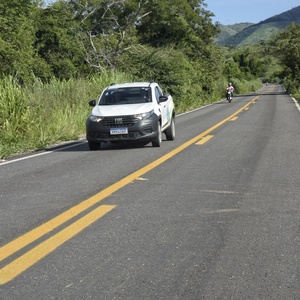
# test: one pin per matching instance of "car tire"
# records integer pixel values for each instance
(94, 145)
(170, 132)
(156, 142)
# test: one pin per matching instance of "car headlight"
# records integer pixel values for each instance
(144, 116)
(95, 118)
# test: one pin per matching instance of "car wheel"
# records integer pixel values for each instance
(170, 132)
(94, 145)
(157, 141)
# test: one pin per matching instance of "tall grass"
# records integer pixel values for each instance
(42, 114)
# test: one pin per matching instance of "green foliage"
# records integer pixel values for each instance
(14, 114)
(191, 83)
(228, 31)
(243, 86)
(107, 29)
(232, 70)
(287, 45)
(78, 38)
(250, 62)
(56, 43)
(175, 22)
(292, 85)
(43, 114)
(16, 38)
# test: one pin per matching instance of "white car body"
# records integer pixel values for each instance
(140, 110)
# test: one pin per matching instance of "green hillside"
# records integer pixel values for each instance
(255, 33)
(230, 30)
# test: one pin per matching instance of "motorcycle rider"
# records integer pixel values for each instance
(230, 88)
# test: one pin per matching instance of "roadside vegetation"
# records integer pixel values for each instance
(33, 117)
(55, 59)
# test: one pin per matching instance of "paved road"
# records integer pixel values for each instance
(214, 214)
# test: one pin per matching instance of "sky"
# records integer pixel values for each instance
(229, 12)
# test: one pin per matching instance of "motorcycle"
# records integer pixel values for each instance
(229, 95)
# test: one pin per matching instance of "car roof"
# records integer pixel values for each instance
(130, 84)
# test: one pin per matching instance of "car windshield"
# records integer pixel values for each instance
(121, 96)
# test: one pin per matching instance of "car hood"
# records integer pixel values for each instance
(121, 110)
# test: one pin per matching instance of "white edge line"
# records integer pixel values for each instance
(3, 162)
(296, 103)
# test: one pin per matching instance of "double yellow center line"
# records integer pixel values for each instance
(29, 258)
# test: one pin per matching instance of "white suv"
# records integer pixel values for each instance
(137, 111)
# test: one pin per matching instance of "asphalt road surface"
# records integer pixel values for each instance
(214, 214)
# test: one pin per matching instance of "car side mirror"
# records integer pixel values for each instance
(163, 98)
(92, 103)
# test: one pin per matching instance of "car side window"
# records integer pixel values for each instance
(158, 93)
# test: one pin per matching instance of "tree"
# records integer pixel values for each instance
(16, 38)
(110, 28)
(185, 24)
(107, 29)
(56, 44)
(287, 47)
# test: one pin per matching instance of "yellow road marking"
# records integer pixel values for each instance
(204, 140)
(25, 261)
(234, 119)
(29, 237)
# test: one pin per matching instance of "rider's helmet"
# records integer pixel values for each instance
(230, 84)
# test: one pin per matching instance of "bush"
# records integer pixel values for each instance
(293, 87)
(187, 81)
(243, 86)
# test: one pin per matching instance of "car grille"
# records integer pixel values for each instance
(130, 135)
(119, 121)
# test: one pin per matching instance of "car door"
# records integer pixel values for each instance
(163, 106)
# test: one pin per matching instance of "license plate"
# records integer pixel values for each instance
(118, 131)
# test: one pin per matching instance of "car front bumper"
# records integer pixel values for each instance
(143, 130)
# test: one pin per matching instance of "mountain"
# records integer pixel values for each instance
(228, 31)
(248, 33)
